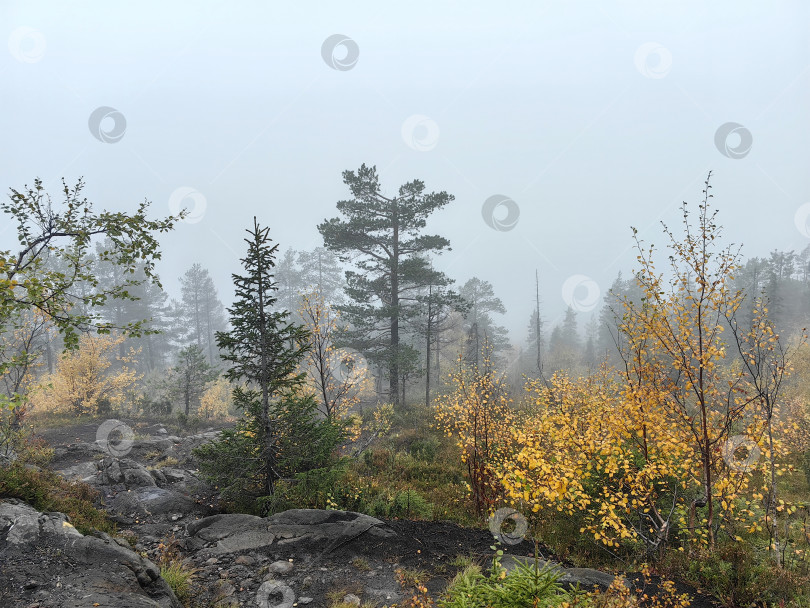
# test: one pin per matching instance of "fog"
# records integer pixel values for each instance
(590, 116)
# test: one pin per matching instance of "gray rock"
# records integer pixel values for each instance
(587, 577)
(137, 477)
(268, 592)
(313, 528)
(77, 451)
(84, 471)
(82, 571)
(226, 589)
(159, 477)
(280, 567)
(194, 527)
(24, 525)
(383, 589)
(201, 438)
(151, 501)
(351, 598)
(123, 472)
(383, 596)
(327, 524)
(160, 445)
(173, 475)
(110, 469)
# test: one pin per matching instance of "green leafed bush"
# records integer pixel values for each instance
(527, 585)
(412, 505)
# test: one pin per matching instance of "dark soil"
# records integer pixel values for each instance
(431, 545)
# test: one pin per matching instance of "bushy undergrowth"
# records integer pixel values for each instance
(174, 571)
(46, 491)
(237, 464)
(742, 573)
(529, 585)
(526, 585)
(413, 473)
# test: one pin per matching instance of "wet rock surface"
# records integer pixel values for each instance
(47, 562)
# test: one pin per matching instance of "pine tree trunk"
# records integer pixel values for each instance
(427, 350)
(393, 372)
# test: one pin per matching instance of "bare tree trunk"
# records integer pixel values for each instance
(427, 347)
(393, 377)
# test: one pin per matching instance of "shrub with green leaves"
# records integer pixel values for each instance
(411, 504)
(738, 573)
(379, 507)
(424, 448)
(236, 462)
(527, 585)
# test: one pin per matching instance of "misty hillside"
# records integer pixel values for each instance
(429, 305)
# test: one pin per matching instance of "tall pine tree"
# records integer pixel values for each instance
(202, 310)
(382, 236)
(481, 328)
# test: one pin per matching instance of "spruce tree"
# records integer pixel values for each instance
(191, 375)
(280, 434)
(263, 347)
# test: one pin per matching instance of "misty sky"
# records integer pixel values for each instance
(590, 116)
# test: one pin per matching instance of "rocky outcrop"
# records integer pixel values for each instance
(47, 562)
(306, 529)
(300, 553)
(123, 474)
(151, 500)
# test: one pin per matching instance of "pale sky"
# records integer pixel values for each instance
(590, 116)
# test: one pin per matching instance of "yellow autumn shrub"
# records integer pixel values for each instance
(216, 400)
(478, 413)
(85, 378)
